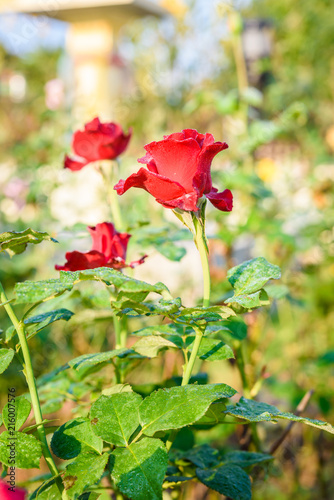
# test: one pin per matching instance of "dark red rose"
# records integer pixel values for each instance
(99, 141)
(178, 172)
(7, 494)
(108, 250)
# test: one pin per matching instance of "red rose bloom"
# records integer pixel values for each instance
(109, 250)
(99, 141)
(7, 494)
(178, 172)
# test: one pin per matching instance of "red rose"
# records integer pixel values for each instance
(99, 141)
(11, 494)
(178, 172)
(108, 250)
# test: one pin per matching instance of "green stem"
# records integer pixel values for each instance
(200, 241)
(115, 209)
(201, 244)
(120, 343)
(28, 372)
(118, 332)
(189, 367)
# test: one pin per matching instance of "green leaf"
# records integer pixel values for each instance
(251, 301)
(52, 405)
(115, 418)
(84, 471)
(46, 491)
(139, 470)
(116, 278)
(237, 329)
(156, 330)
(150, 346)
(215, 414)
(253, 411)
(202, 456)
(20, 450)
(277, 291)
(172, 481)
(171, 251)
(213, 350)
(165, 307)
(205, 314)
(10, 333)
(229, 480)
(74, 437)
(15, 413)
(16, 242)
(245, 458)
(248, 279)
(30, 292)
(89, 360)
(43, 320)
(6, 356)
(177, 407)
(117, 389)
(90, 495)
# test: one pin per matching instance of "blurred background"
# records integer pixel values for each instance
(258, 74)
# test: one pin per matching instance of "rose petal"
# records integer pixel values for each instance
(77, 261)
(114, 146)
(119, 245)
(203, 180)
(74, 165)
(158, 186)
(149, 162)
(102, 236)
(108, 241)
(94, 125)
(176, 160)
(136, 263)
(186, 202)
(14, 494)
(223, 201)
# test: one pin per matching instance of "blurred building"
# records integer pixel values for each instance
(93, 29)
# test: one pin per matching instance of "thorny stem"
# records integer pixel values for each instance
(29, 375)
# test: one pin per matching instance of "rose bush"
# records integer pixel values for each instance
(98, 141)
(108, 250)
(139, 438)
(178, 172)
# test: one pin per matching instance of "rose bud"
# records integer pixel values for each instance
(98, 141)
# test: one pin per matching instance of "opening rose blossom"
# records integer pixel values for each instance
(98, 141)
(9, 491)
(178, 172)
(108, 250)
